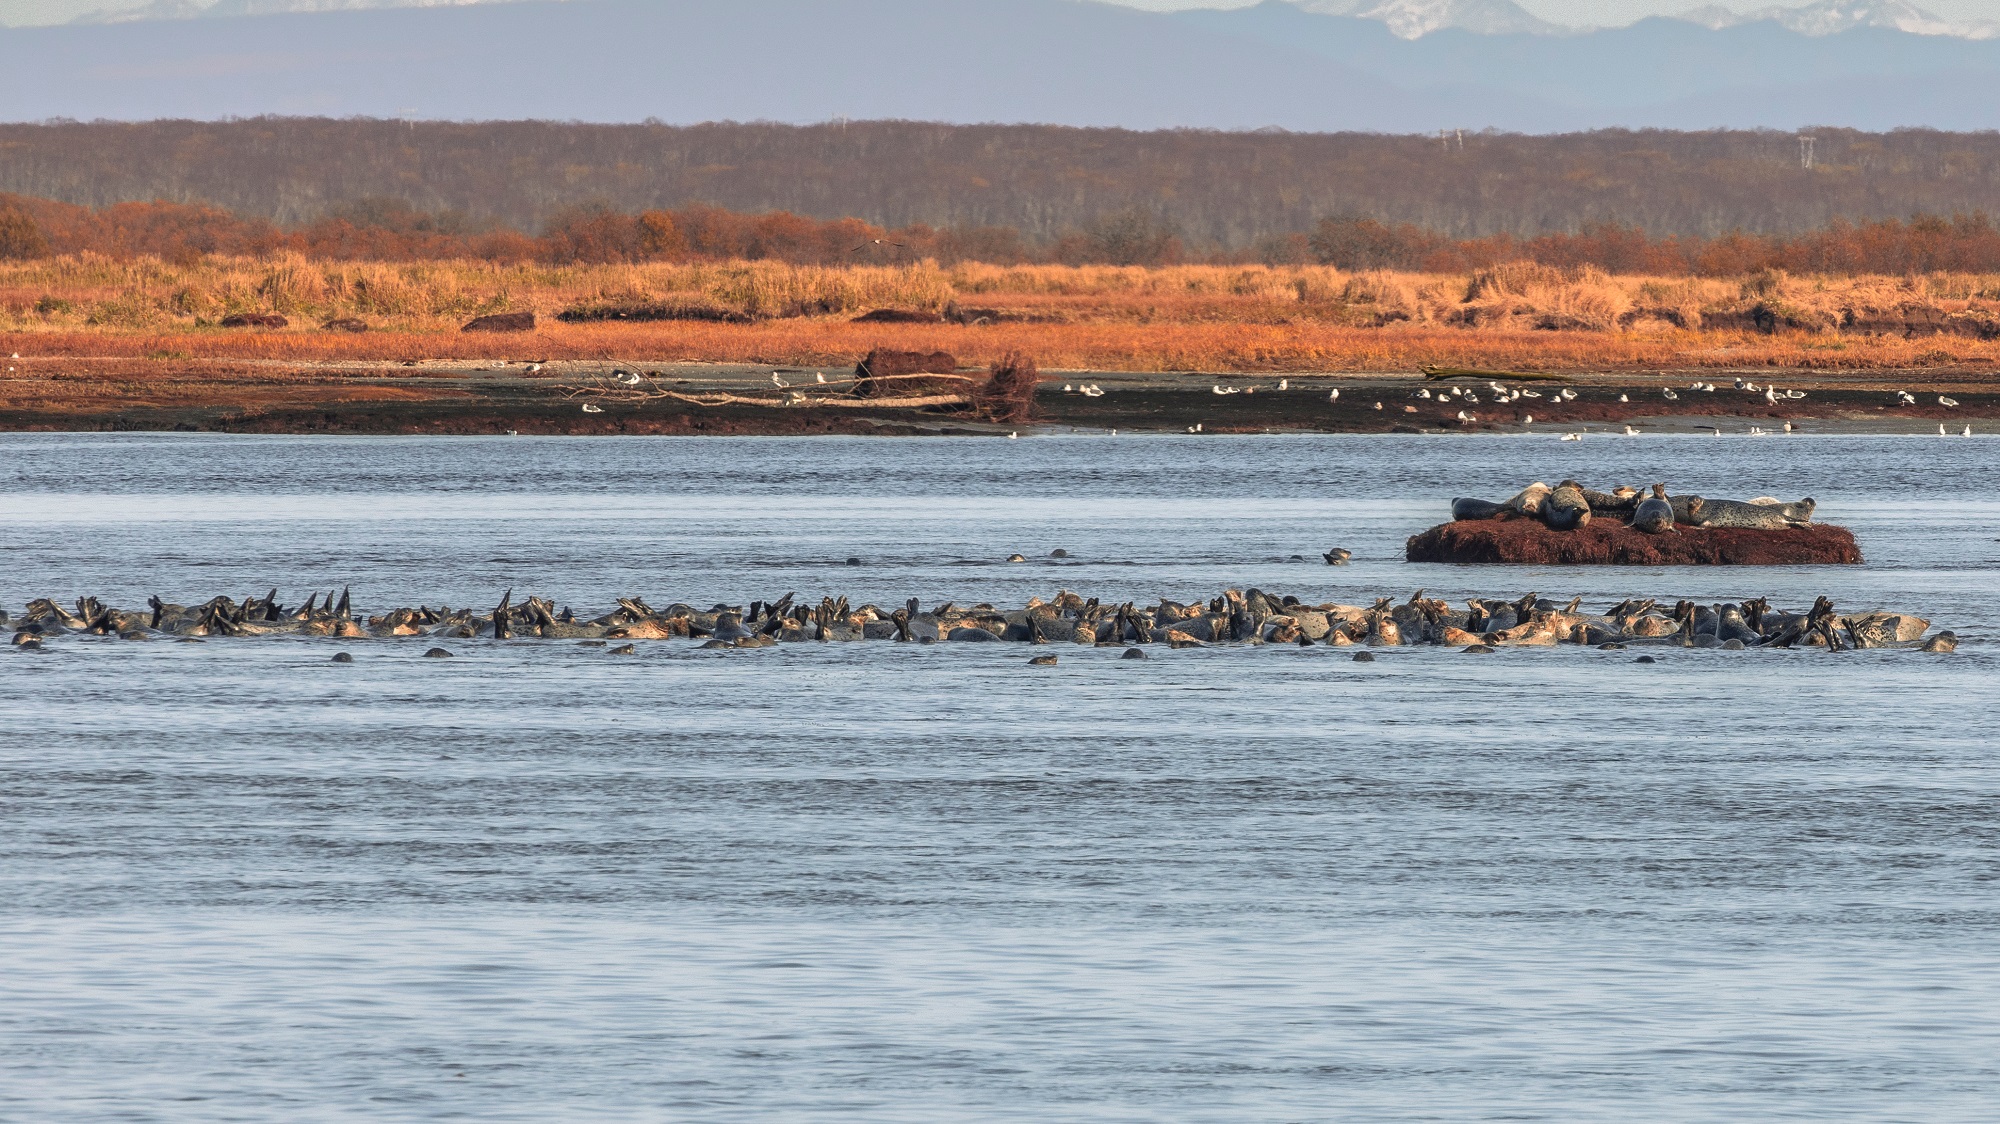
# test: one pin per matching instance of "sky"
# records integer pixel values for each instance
(1600, 13)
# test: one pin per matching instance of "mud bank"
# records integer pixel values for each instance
(459, 397)
(1608, 542)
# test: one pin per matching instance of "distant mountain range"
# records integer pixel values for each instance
(1404, 66)
(1407, 19)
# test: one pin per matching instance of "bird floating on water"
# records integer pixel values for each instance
(1572, 436)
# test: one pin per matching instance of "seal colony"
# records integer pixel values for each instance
(1236, 617)
(1570, 524)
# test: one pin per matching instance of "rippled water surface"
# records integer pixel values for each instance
(884, 882)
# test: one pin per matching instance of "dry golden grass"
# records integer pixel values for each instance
(1100, 317)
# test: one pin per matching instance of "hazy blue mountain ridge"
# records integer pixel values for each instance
(1046, 61)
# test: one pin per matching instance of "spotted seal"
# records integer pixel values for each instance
(1704, 512)
(1655, 514)
(1566, 509)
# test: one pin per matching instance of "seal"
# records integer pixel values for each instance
(1620, 500)
(1469, 509)
(1655, 514)
(1566, 509)
(1942, 643)
(1732, 513)
(1531, 499)
(1338, 556)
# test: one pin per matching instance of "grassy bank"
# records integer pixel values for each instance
(1195, 317)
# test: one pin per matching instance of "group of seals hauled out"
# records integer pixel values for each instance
(1570, 505)
(1245, 617)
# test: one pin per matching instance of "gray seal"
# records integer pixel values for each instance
(1655, 513)
(1566, 509)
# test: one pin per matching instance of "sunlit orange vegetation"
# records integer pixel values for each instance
(1188, 317)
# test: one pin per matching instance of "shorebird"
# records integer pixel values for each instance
(820, 375)
(590, 409)
(1905, 398)
(1947, 403)
(778, 382)
(1669, 392)
(1941, 432)
(1334, 396)
(1067, 390)
(1568, 395)
(1631, 432)
(1378, 405)
(1788, 427)
(1529, 393)
(1014, 436)
(1967, 433)
(1795, 394)
(1771, 394)
(1195, 428)
(1463, 416)
(1527, 419)
(1572, 436)
(1623, 398)
(1218, 388)
(1284, 384)
(1093, 391)
(1472, 398)
(630, 380)
(1423, 394)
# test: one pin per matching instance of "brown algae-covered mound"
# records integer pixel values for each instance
(1609, 542)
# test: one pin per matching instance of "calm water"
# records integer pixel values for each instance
(879, 882)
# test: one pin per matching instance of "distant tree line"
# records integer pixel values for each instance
(1208, 192)
(391, 231)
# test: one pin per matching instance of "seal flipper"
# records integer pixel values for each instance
(500, 630)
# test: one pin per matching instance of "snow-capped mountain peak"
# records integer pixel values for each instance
(1414, 19)
(1831, 17)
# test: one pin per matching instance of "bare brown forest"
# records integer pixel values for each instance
(1211, 192)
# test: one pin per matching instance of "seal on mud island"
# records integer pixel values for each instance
(1470, 509)
(1655, 513)
(1566, 509)
(1530, 499)
(1704, 512)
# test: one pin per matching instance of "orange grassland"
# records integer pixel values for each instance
(1178, 318)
